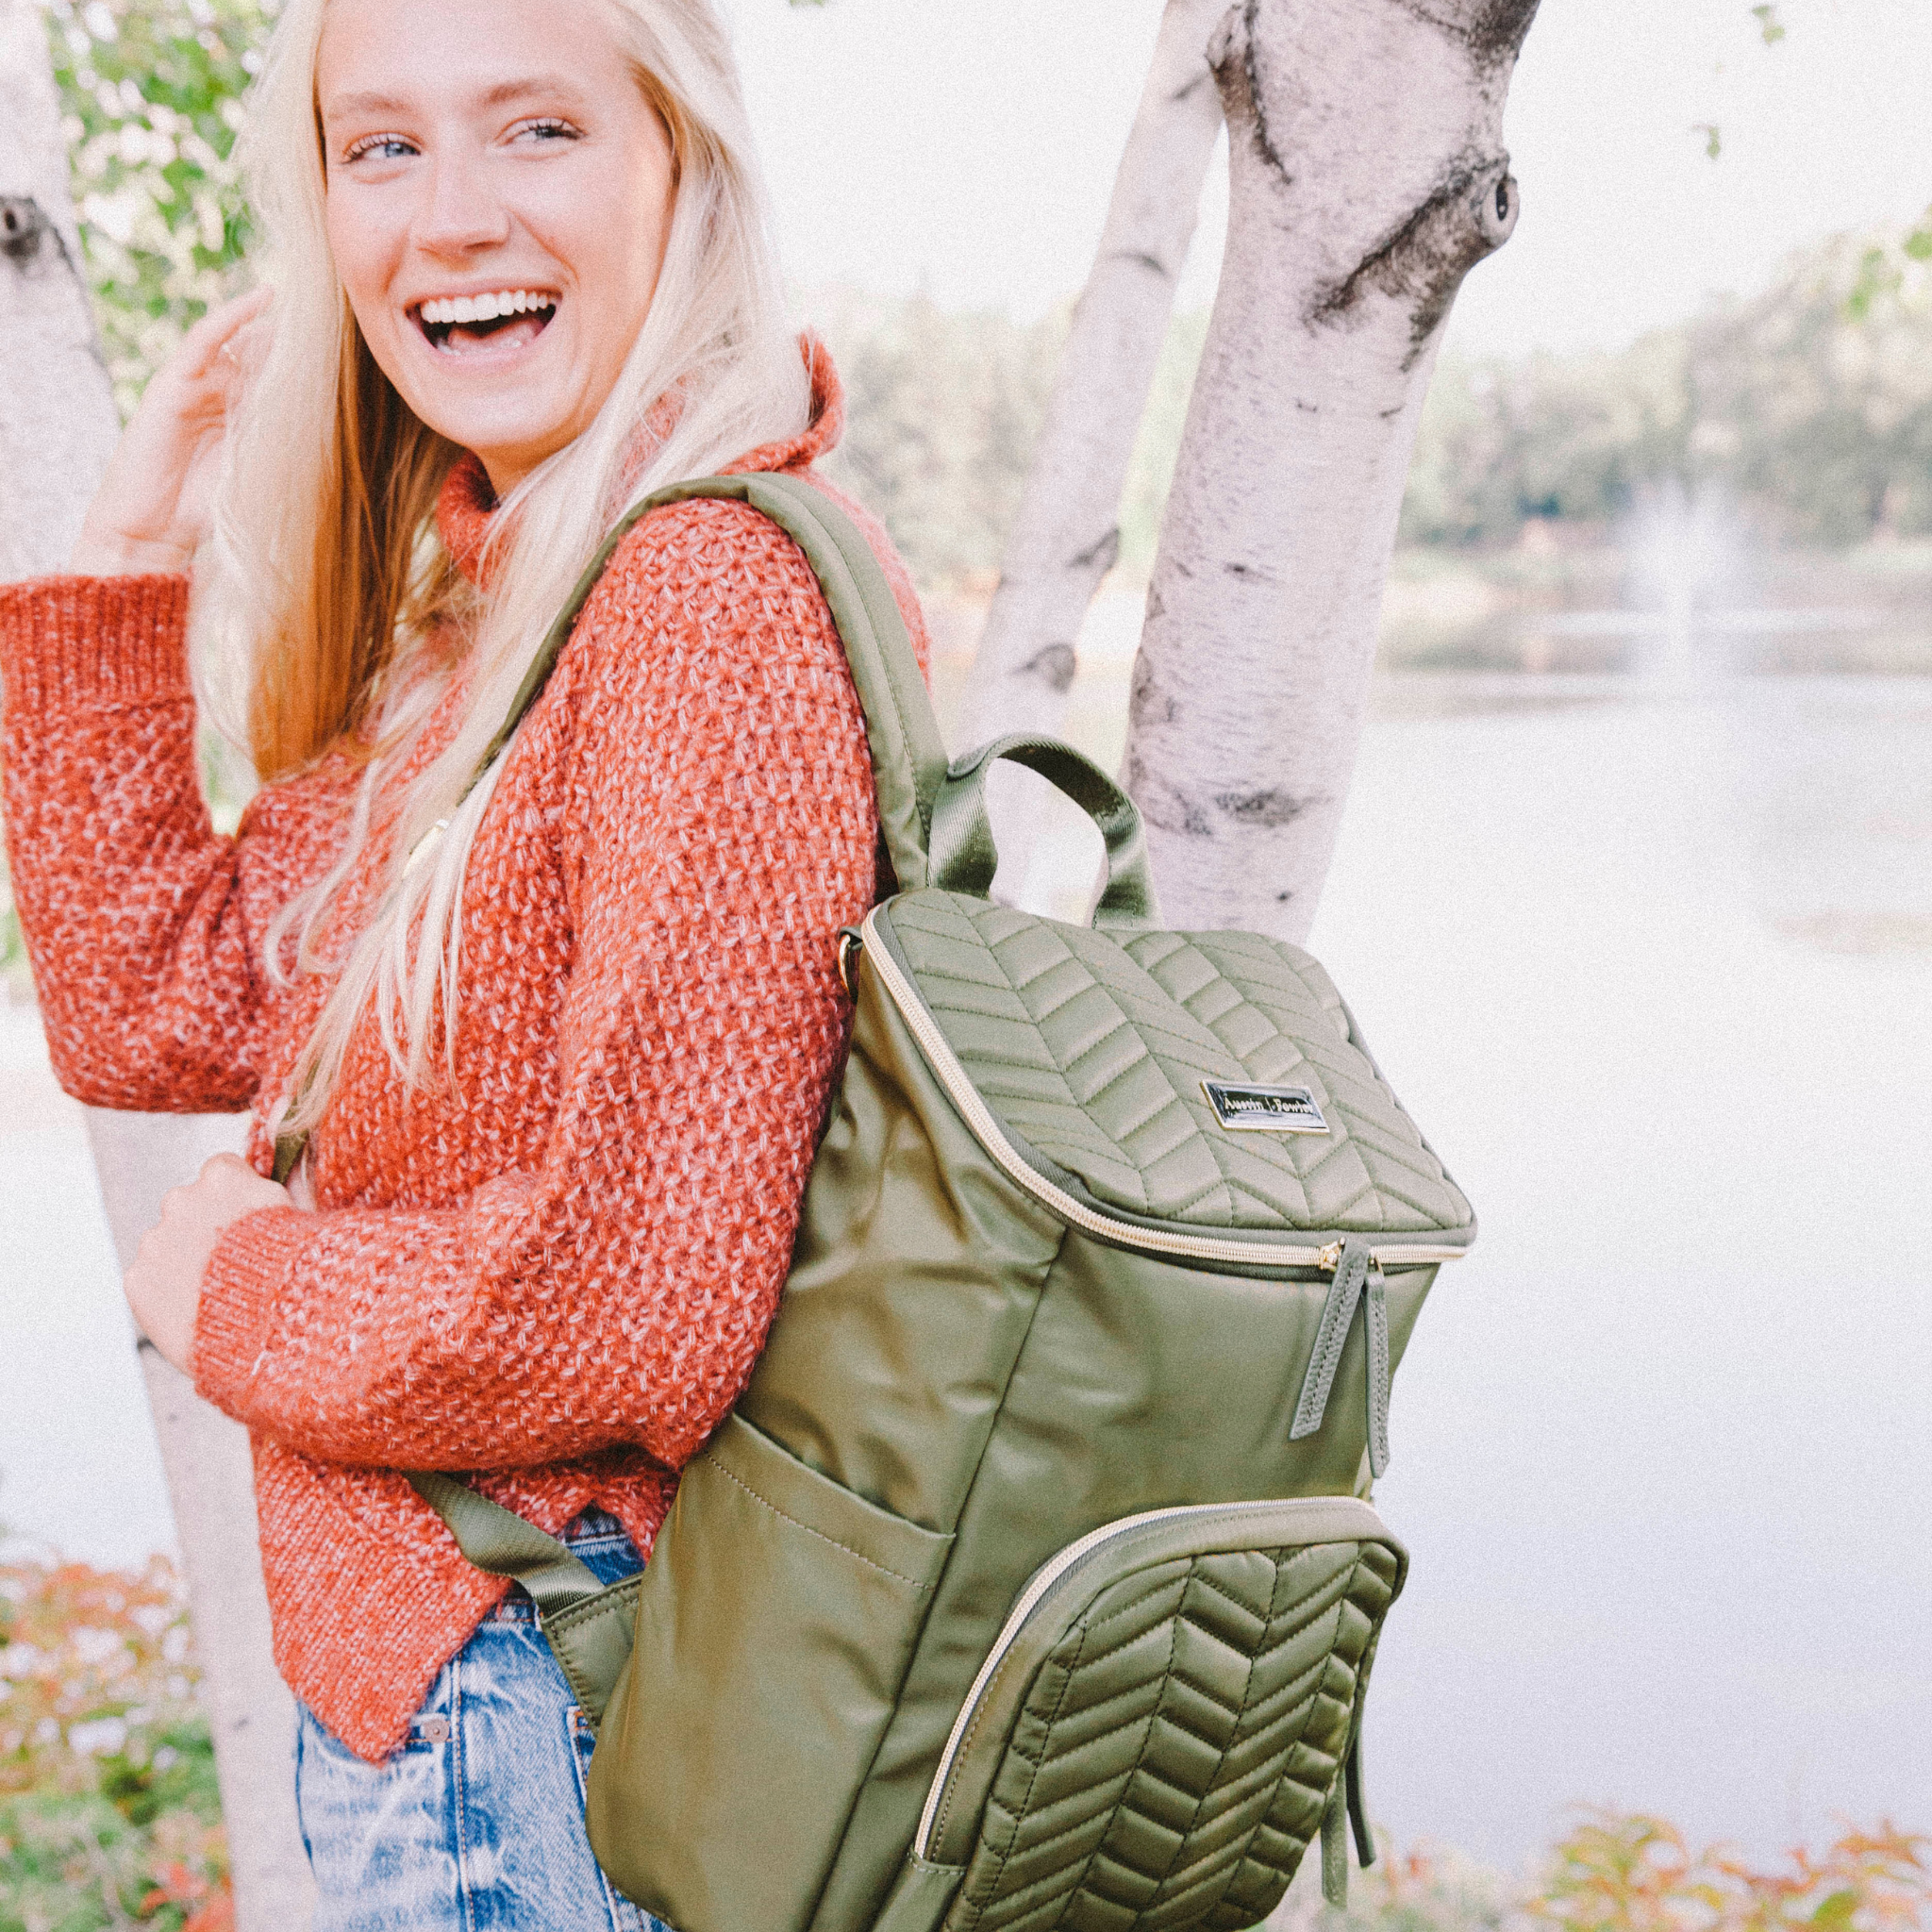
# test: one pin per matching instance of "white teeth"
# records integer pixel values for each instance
(458, 309)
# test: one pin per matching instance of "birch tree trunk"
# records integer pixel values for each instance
(1066, 535)
(1367, 176)
(57, 427)
(57, 422)
(210, 1476)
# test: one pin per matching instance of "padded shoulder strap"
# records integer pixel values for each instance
(909, 758)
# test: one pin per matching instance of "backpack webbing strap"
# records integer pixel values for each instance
(501, 1542)
(587, 1624)
(908, 758)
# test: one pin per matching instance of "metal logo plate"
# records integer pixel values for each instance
(1264, 1110)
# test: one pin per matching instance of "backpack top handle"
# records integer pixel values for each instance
(964, 856)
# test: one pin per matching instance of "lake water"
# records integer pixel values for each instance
(1656, 974)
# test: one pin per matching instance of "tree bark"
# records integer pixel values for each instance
(1367, 176)
(210, 1476)
(57, 421)
(57, 427)
(1066, 535)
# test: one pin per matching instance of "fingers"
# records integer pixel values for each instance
(213, 338)
(228, 1188)
(164, 1281)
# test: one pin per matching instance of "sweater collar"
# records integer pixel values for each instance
(466, 509)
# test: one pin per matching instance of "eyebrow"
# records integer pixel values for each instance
(501, 95)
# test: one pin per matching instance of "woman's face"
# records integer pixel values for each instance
(499, 192)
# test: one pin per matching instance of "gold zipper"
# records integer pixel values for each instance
(1153, 1241)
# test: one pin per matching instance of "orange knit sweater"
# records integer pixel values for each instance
(554, 1272)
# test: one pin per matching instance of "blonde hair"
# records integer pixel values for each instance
(325, 574)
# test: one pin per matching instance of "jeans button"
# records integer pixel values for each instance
(433, 1730)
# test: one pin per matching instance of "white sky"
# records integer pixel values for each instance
(970, 145)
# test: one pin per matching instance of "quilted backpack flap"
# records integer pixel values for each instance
(1200, 1082)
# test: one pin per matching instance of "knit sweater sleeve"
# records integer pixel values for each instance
(616, 1289)
(141, 922)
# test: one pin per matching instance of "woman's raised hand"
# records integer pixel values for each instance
(152, 510)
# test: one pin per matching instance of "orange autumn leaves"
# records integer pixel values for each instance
(108, 1807)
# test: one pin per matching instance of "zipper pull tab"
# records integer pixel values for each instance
(1375, 1322)
(1357, 1278)
(1335, 1842)
(1331, 1337)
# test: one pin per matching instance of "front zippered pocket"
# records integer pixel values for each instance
(1158, 1681)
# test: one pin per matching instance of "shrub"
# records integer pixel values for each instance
(109, 1814)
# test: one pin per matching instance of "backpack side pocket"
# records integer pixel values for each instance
(776, 1620)
(1155, 1736)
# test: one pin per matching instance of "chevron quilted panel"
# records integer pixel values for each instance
(1092, 1047)
(1170, 1764)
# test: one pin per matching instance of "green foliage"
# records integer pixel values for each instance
(12, 948)
(943, 410)
(1622, 1872)
(1630, 1872)
(1809, 404)
(150, 92)
(1886, 270)
(109, 1814)
(78, 1865)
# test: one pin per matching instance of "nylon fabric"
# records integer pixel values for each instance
(587, 1624)
(501, 1542)
(762, 1678)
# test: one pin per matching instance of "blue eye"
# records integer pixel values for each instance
(385, 147)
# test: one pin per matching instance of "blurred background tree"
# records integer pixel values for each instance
(152, 99)
(1807, 406)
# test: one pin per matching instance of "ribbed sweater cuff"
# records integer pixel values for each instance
(70, 642)
(250, 1262)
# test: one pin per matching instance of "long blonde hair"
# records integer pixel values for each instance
(325, 574)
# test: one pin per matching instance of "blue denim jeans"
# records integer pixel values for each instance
(477, 1821)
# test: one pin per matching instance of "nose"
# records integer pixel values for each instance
(462, 212)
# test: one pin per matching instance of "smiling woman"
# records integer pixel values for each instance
(521, 278)
(463, 197)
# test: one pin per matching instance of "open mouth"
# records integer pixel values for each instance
(506, 319)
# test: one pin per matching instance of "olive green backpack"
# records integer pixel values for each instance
(1032, 1583)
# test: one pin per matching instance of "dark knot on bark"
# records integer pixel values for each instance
(1053, 665)
(1421, 262)
(21, 228)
